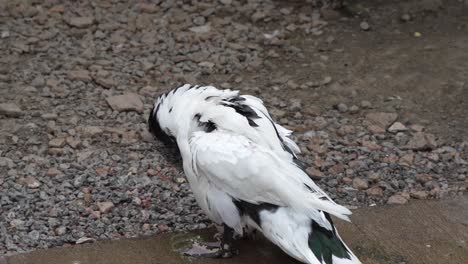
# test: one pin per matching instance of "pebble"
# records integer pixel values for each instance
(364, 26)
(126, 102)
(397, 127)
(360, 184)
(381, 119)
(366, 104)
(375, 191)
(421, 195)
(422, 141)
(57, 142)
(81, 22)
(405, 17)
(10, 110)
(79, 75)
(107, 83)
(342, 108)
(397, 199)
(105, 207)
(32, 182)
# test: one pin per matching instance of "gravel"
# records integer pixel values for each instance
(78, 80)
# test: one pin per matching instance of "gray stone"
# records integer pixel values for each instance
(126, 102)
(364, 26)
(10, 109)
(381, 119)
(81, 22)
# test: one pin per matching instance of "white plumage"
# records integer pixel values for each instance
(243, 170)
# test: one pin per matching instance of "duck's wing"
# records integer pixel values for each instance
(252, 173)
(252, 108)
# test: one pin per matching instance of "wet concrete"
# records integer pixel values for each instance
(420, 232)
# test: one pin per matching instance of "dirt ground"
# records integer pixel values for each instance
(377, 236)
(423, 78)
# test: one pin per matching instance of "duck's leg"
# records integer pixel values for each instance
(228, 249)
(223, 249)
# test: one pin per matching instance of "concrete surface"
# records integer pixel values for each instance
(420, 232)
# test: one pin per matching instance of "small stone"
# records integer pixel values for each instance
(180, 180)
(32, 182)
(423, 178)
(258, 16)
(56, 151)
(374, 129)
(201, 29)
(81, 22)
(148, 8)
(60, 231)
(397, 199)
(405, 17)
(336, 169)
(79, 75)
(407, 159)
(345, 130)
(347, 180)
(397, 127)
(49, 116)
(57, 9)
(51, 172)
(102, 172)
(419, 195)
(417, 128)
(83, 240)
(199, 20)
(354, 109)
(326, 80)
(381, 119)
(72, 142)
(343, 108)
(10, 109)
(366, 104)
(163, 228)
(126, 102)
(207, 64)
(57, 143)
(226, 2)
(90, 130)
(105, 207)
(315, 174)
(364, 26)
(422, 141)
(375, 191)
(360, 184)
(107, 83)
(371, 145)
(375, 177)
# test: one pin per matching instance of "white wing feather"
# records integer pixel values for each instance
(252, 173)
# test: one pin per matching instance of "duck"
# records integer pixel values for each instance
(245, 174)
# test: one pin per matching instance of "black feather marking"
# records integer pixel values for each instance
(285, 147)
(325, 243)
(252, 123)
(206, 126)
(242, 109)
(155, 128)
(253, 210)
(209, 97)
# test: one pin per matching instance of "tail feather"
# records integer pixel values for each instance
(328, 247)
